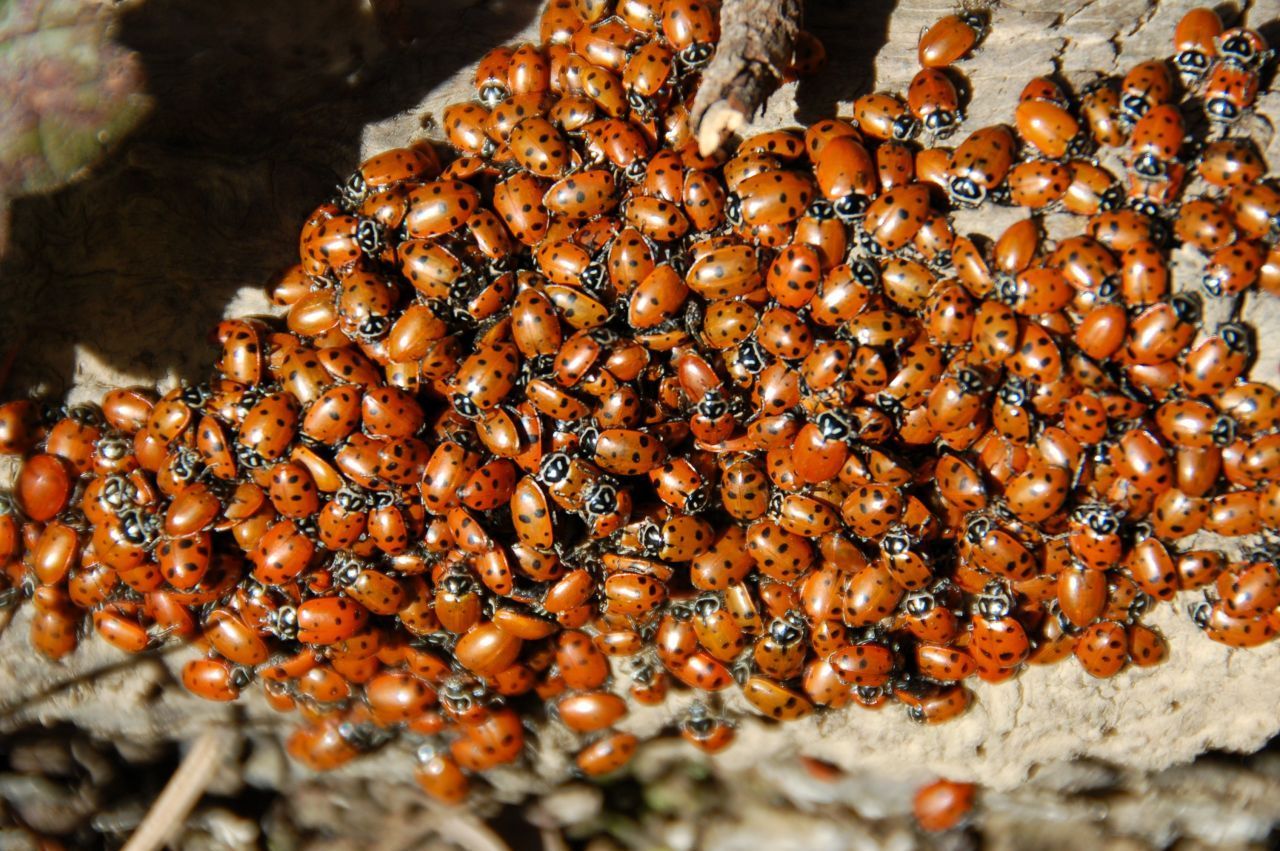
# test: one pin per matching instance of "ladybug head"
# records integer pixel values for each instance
(284, 622)
(1141, 603)
(889, 403)
(186, 464)
(1187, 307)
(1104, 520)
(867, 242)
(113, 447)
(85, 414)
(641, 106)
(1236, 337)
(1080, 145)
(354, 191)
(821, 210)
(345, 569)
(493, 94)
(464, 406)
(712, 405)
(1150, 166)
(905, 127)
(1239, 48)
(363, 736)
(636, 170)
(698, 721)
(1006, 289)
(588, 437)
(874, 696)
(974, 20)
(996, 602)
(554, 468)
(866, 273)
(1146, 207)
(1221, 109)
(373, 328)
(696, 55)
(833, 425)
(752, 357)
(194, 395)
(650, 538)
(1200, 612)
(733, 209)
(697, 501)
(458, 585)
(707, 604)
(919, 603)
(1134, 105)
(601, 499)
(787, 630)
(1014, 391)
(538, 366)
(941, 123)
(897, 542)
(965, 192)
(1223, 431)
(1112, 198)
(977, 529)
(118, 492)
(1191, 64)
(851, 207)
(369, 236)
(594, 277)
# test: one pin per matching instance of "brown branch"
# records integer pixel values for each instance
(757, 38)
(181, 793)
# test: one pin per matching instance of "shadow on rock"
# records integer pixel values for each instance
(853, 33)
(258, 113)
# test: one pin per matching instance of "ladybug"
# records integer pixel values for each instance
(607, 755)
(1229, 92)
(1243, 47)
(440, 776)
(894, 218)
(935, 707)
(440, 206)
(998, 641)
(933, 100)
(775, 700)
(1195, 43)
(1100, 106)
(1145, 86)
(769, 198)
(707, 732)
(884, 117)
(942, 804)
(949, 39)
(214, 679)
(1049, 128)
(1103, 649)
(979, 165)
(1155, 142)
(1230, 162)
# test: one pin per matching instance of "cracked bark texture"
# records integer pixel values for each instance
(261, 108)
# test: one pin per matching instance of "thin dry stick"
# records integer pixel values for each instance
(757, 38)
(460, 827)
(181, 792)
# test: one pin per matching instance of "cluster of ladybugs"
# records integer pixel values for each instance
(759, 419)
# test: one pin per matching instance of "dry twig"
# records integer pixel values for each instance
(181, 793)
(756, 43)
